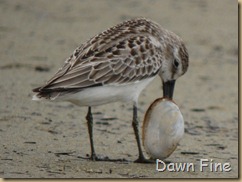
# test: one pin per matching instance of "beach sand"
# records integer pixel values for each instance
(50, 140)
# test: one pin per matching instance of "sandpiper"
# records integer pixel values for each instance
(116, 65)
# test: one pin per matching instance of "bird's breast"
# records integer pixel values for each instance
(100, 95)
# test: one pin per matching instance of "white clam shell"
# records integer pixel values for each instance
(163, 128)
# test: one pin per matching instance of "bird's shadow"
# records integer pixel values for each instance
(105, 159)
(122, 160)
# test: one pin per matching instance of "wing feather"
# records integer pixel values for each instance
(120, 61)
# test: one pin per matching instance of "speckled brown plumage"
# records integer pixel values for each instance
(128, 52)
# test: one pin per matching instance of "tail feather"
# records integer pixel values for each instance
(46, 92)
(51, 94)
(36, 97)
(46, 95)
(38, 89)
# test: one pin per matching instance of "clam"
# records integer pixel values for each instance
(163, 128)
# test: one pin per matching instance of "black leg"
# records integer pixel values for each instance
(90, 131)
(135, 125)
(93, 156)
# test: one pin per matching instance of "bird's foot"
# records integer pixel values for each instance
(142, 159)
(94, 157)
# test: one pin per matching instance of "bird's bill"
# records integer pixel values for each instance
(168, 89)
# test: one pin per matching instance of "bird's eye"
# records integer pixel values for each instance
(176, 63)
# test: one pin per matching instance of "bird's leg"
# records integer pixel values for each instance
(89, 119)
(93, 156)
(135, 125)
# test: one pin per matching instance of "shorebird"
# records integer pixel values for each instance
(116, 65)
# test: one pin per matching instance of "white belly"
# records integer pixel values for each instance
(105, 94)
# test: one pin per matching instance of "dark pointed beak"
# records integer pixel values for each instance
(168, 89)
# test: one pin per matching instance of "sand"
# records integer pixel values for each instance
(50, 140)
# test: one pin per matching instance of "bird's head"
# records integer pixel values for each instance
(175, 64)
